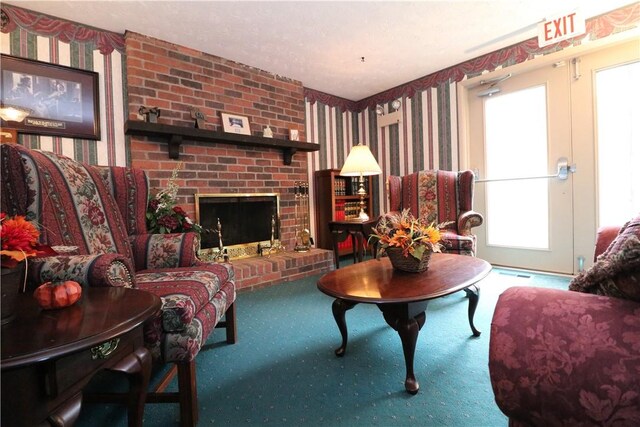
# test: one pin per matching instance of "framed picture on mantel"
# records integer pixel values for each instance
(61, 101)
(234, 123)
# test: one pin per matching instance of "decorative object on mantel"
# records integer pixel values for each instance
(198, 116)
(150, 115)
(234, 123)
(293, 135)
(303, 235)
(175, 134)
(267, 132)
(19, 241)
(409, 242)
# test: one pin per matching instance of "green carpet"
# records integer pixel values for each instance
(283, 370)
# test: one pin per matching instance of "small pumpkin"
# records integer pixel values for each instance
(58, 294)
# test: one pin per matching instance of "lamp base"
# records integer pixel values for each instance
(362, 216)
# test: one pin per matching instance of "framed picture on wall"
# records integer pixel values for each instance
(234, 123)
(62, 101)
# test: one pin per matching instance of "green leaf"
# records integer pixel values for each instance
(418, 252)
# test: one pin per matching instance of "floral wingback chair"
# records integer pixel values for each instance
(101, 211)
(439, 196)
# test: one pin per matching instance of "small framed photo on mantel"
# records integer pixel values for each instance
(234, 123)
(293, 135)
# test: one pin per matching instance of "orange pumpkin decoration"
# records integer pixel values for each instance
(58, 294)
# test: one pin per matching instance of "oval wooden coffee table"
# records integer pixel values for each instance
(403, 297)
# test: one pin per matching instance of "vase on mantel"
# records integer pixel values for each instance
(11, 283)
(408, 263)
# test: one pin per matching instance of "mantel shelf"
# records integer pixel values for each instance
(176, 134)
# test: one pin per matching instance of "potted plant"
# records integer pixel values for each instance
(408, 241)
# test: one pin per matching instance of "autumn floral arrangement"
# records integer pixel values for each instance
(19, 240)
(412, 235)
(163, 213)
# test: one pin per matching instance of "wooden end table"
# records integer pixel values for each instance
(403, 297)
(358, 230)
(49, 356)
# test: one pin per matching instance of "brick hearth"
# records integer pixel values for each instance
(283, 267)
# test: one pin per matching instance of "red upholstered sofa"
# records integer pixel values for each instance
(570, 358)
(439, 196)
(101, 211)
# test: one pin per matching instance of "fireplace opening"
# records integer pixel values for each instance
(248, 221)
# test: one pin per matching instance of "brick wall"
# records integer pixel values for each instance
(174, 78)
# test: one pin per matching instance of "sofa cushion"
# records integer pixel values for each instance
(184, 291)
(154, 251)
(185, 345)
(616, 272)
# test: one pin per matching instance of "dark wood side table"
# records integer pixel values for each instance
(403, 297)
(359, 232)
(49, 356)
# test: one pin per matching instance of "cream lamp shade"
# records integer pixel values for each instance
(360, 162)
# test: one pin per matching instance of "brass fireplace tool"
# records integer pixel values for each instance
(222, 255)
(274, 245)
(303, 235)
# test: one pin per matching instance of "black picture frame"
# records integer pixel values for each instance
(63, 101)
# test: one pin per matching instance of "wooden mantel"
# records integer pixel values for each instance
(176, 134)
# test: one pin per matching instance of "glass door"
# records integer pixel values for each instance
(528, 132)
(606, 138)
(520, 134)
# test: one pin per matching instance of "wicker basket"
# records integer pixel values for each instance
(408, 263)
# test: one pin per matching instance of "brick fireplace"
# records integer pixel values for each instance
(176, 78)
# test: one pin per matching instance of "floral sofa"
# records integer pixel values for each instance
(101, 212)
(573, 357)
(439, 196)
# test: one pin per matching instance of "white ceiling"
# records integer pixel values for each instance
(321, 43)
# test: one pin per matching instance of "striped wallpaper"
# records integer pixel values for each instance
(112, 148)
(426, 138)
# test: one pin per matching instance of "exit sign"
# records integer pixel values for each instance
(561, 27)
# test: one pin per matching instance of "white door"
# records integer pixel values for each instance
(540, 123)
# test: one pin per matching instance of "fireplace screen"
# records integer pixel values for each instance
(247, 220)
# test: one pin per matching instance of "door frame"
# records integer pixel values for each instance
(587, 229)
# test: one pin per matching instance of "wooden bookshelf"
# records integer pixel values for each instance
(336, 200)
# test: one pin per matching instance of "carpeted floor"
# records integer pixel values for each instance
(283, 370)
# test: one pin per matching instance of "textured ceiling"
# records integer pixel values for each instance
(321, 43)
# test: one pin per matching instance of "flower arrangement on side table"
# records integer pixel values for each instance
(163, 214)
(408, 241)
(19, 239)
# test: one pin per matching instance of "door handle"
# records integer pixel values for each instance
(562, 173)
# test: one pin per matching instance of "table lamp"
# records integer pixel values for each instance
(11, 113)
(360, 162)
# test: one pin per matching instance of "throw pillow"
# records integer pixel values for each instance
(616, 273)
